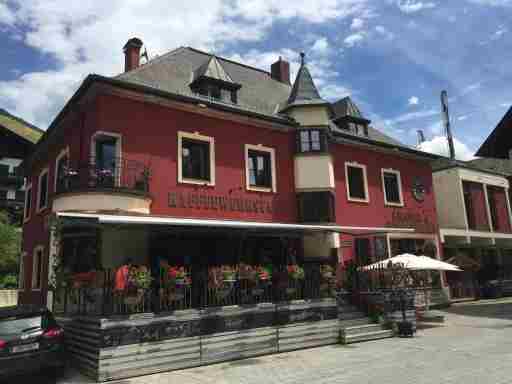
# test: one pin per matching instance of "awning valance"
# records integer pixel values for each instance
(217, 223)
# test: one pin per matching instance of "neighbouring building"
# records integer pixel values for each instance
(231, 192)
(473, 208)
(17, 139)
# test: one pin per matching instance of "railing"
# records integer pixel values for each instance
(96, 293)
(123, 175)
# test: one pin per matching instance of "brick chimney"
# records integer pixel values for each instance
(280, 71)
(132, 54)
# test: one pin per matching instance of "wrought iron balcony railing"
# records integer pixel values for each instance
(123, 175)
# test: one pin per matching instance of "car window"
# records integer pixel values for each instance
(14, 325)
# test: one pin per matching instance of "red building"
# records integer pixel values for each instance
(200, 162)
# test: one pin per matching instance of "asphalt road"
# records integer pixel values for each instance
(474, 345)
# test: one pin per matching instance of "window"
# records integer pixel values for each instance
(392, 186)
(196, 159)
(311, 140)
(106, 158)
(357, 184)
(316, 207)
(61, 165)
(260, 168)
(28, 202)
(468, 202)
(37, 267)
(42, 191)
(11, 194)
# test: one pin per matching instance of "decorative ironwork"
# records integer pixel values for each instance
(123, 175)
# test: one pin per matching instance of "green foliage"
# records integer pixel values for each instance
(10, 246)
(8, 281)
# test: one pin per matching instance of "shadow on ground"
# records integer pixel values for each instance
(483, 308)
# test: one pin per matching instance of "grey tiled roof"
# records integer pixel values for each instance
(174, 71)
(502, 167)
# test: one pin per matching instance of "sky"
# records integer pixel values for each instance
(393, 57)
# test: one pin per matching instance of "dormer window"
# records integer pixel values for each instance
(212, 80)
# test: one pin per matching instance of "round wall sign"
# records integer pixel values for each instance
(418, 189)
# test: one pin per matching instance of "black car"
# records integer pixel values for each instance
(30, 341)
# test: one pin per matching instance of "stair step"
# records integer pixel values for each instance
(351, 315)
(361, 329)
(383, 334)
(355, 322)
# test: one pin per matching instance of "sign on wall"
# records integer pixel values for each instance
(193, 200)
(419, 220)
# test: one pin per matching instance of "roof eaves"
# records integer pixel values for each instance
(400, 148)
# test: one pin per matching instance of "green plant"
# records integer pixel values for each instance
(9, 281)
(142, 280)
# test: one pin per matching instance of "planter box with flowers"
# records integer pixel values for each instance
(177, 280)
(139, 281)
(295, 275)
(256, 278)
(222, 279)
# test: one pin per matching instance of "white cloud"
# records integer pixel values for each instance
(87, 37)
(6, 15)
(354, 39)
(413, 100)
(410, 116)
(321, 46)
(412, 6)
(384, 32)
(439, 145)
(494, 3)
(357, 23)
(462, 118)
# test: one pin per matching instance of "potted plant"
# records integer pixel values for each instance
(228, 274)
(295, 273)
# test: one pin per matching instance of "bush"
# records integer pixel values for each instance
(9, 281)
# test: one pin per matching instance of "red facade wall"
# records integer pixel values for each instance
(149, 134)
(420, 215)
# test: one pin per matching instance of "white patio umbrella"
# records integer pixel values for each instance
(413, 262)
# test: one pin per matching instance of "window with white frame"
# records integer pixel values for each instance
(28, 202)
(357, 183)
(392, 187)
(11, 194)
(37, 267)
(196, 158)
(42, 190)
(260, 168)
(61, 166)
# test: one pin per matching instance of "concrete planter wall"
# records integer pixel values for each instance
(114, 348)
(8, 297)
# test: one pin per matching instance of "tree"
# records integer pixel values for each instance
(10, 246)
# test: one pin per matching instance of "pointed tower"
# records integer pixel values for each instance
(314, 171)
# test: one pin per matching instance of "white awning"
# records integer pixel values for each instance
(216, 223)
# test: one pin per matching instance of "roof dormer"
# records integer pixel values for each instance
(213, 81)
(348, 117)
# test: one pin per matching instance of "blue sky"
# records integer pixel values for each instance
(392, 56)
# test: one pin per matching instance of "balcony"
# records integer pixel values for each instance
(122, 184)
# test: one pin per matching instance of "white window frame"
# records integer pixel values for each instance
(11, 194)
(119, 152)
(35, 261)
(365, 179)
(27, 213)
(43, 172)
(399, 181)
(198, 137)
(272, 152)
(21, 274)
(61, 154)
